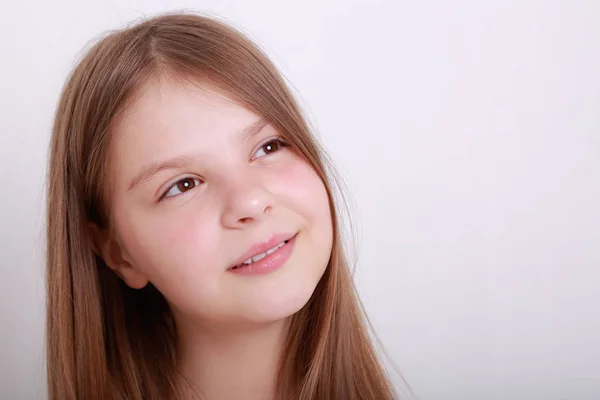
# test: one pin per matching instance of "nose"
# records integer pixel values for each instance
(246, 200)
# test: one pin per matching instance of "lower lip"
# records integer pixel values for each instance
(269, 263)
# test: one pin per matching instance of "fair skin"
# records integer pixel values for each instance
(183, 228)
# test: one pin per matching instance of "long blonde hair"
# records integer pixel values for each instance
(108, 341)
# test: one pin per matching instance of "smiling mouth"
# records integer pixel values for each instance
(260, 256)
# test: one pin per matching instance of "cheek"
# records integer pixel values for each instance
(174, 247)
(304, 192)
(303, 187)
(188, 232)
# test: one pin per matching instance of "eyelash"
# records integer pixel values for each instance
(282, 143)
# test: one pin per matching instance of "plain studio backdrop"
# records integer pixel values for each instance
(468, 133)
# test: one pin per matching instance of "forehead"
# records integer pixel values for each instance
(163, 106)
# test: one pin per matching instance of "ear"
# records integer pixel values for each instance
(115, 257)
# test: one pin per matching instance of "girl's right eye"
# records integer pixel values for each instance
(179, 187)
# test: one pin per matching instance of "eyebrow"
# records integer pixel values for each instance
(179, 162)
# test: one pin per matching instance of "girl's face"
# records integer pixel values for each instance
(199, 184)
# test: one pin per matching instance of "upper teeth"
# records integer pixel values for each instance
(263, 255)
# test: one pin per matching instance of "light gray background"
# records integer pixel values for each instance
(469, 136)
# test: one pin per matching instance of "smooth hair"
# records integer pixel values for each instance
(106, 340)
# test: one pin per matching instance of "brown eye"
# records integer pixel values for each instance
(181, 186)
(186, 184)
(269, 147)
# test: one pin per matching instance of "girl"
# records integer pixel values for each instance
(194, 246)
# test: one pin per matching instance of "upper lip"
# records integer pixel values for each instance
(263, 246)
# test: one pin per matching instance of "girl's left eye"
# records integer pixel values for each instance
(181, 186)
(269, 147)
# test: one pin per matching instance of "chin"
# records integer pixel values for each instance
(280, 303)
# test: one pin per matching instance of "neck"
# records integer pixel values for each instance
(231, 362)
